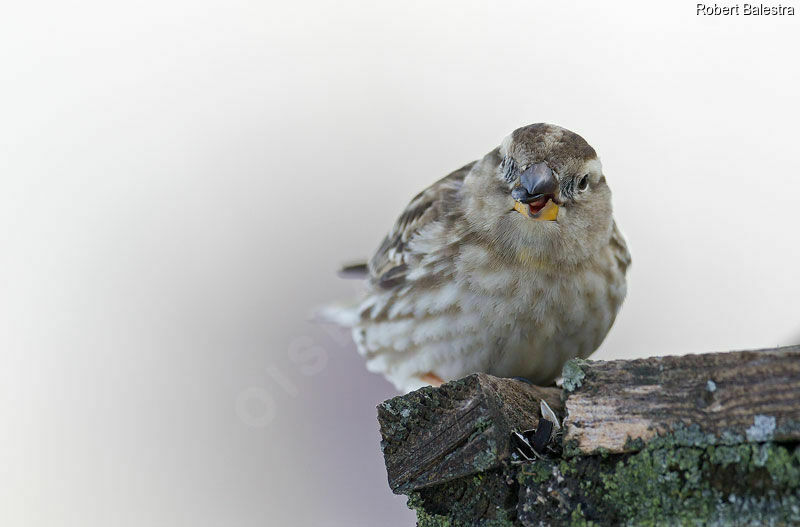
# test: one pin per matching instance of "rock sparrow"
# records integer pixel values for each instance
(511, 265)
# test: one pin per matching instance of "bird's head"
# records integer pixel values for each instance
(542, 192)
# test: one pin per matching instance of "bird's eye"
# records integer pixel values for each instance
(583, 184)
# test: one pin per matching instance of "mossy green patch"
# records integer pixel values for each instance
(665, 483)
(535, 473)
(484, 500)
(577, 519)
(424, 518)
(570, 449)
(692, 485)
(683, 478)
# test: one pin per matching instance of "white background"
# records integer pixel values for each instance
(179, 180)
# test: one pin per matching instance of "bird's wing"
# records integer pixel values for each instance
(393, 260)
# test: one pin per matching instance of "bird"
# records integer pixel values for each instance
(511, 265)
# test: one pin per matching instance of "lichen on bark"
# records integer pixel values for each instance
(668, 483)
(691, 440)
(573, 374)
(676, 479)
(484, 500)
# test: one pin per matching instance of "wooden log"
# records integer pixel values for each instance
(435, 435)
(695, 439)
(730, 398)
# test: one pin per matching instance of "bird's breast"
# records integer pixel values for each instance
(543, 315)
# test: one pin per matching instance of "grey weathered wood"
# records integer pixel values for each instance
(435, 435)
(696, 439)
(745, 396)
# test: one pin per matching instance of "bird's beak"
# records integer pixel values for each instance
(535, 195)
(547, 213)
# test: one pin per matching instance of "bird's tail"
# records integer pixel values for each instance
(343, 313)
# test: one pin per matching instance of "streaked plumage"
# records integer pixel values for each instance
(464, 283)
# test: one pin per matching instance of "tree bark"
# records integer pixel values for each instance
(662, 441)
(434, 435)
(747, 395)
